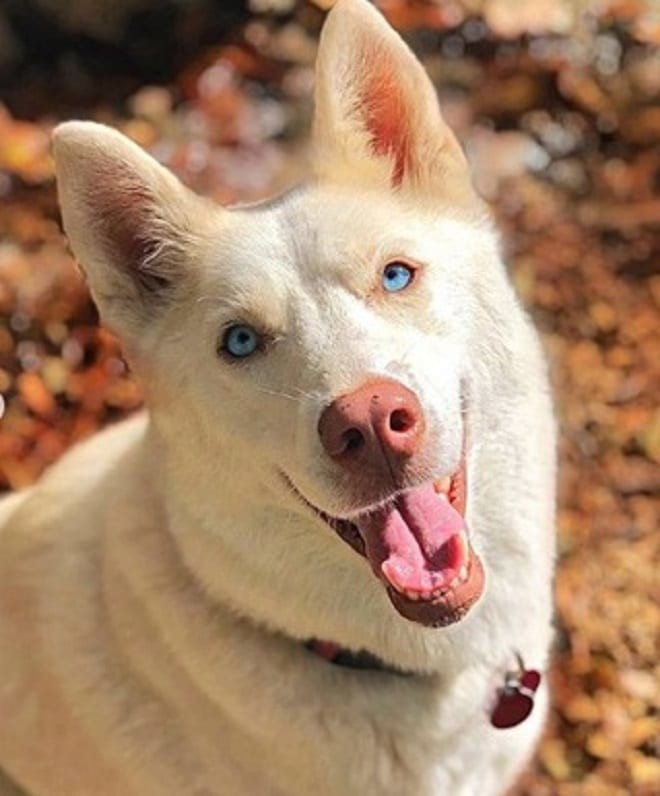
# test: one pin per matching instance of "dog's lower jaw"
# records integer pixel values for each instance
(456, 603)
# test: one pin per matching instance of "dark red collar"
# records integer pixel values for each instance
(340, 656)
(514, 700)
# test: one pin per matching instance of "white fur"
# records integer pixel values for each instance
(156, 584)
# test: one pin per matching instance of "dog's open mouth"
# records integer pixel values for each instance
(418, 546)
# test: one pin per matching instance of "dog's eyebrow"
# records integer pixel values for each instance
(251, 299)
(385, 249)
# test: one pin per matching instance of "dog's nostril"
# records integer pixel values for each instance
(401, 420)
(353, 440)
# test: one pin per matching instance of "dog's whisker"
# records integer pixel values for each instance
(302, 395)
(279, 394)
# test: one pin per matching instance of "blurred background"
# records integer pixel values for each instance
(557, 105)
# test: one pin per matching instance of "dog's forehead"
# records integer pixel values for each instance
(335, 224)
(314, 231)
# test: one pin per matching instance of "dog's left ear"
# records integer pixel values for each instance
(377, 116)
(131, 224)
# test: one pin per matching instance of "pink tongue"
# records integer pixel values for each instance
(416, 543)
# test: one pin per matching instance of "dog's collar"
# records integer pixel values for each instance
(339, 656)
(513, 703)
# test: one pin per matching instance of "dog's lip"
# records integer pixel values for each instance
(449, 607)
(352, 514)
(439, 608)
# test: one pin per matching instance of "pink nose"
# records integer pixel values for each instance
(379, 423)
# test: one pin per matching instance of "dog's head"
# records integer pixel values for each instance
(320, 367)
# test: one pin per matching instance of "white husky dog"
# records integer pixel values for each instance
(310, 567)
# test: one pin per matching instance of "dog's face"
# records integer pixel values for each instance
(327, 354)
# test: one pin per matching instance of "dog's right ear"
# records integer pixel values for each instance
(377, 118)
(130, 222)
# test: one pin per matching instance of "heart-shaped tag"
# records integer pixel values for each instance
(512, 708)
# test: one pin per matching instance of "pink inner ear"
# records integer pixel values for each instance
(125, 207)
(386, 119)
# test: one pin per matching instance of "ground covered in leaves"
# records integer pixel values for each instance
(556, 104)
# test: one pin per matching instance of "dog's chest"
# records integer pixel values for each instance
(263, 715)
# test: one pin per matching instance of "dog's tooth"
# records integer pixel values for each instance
(412, 595)
(463, 573)
(443, 496)
(465, 545)
(442, 486)
(392, 582)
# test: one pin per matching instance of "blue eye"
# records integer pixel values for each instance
(240, 341)
(397, 276)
